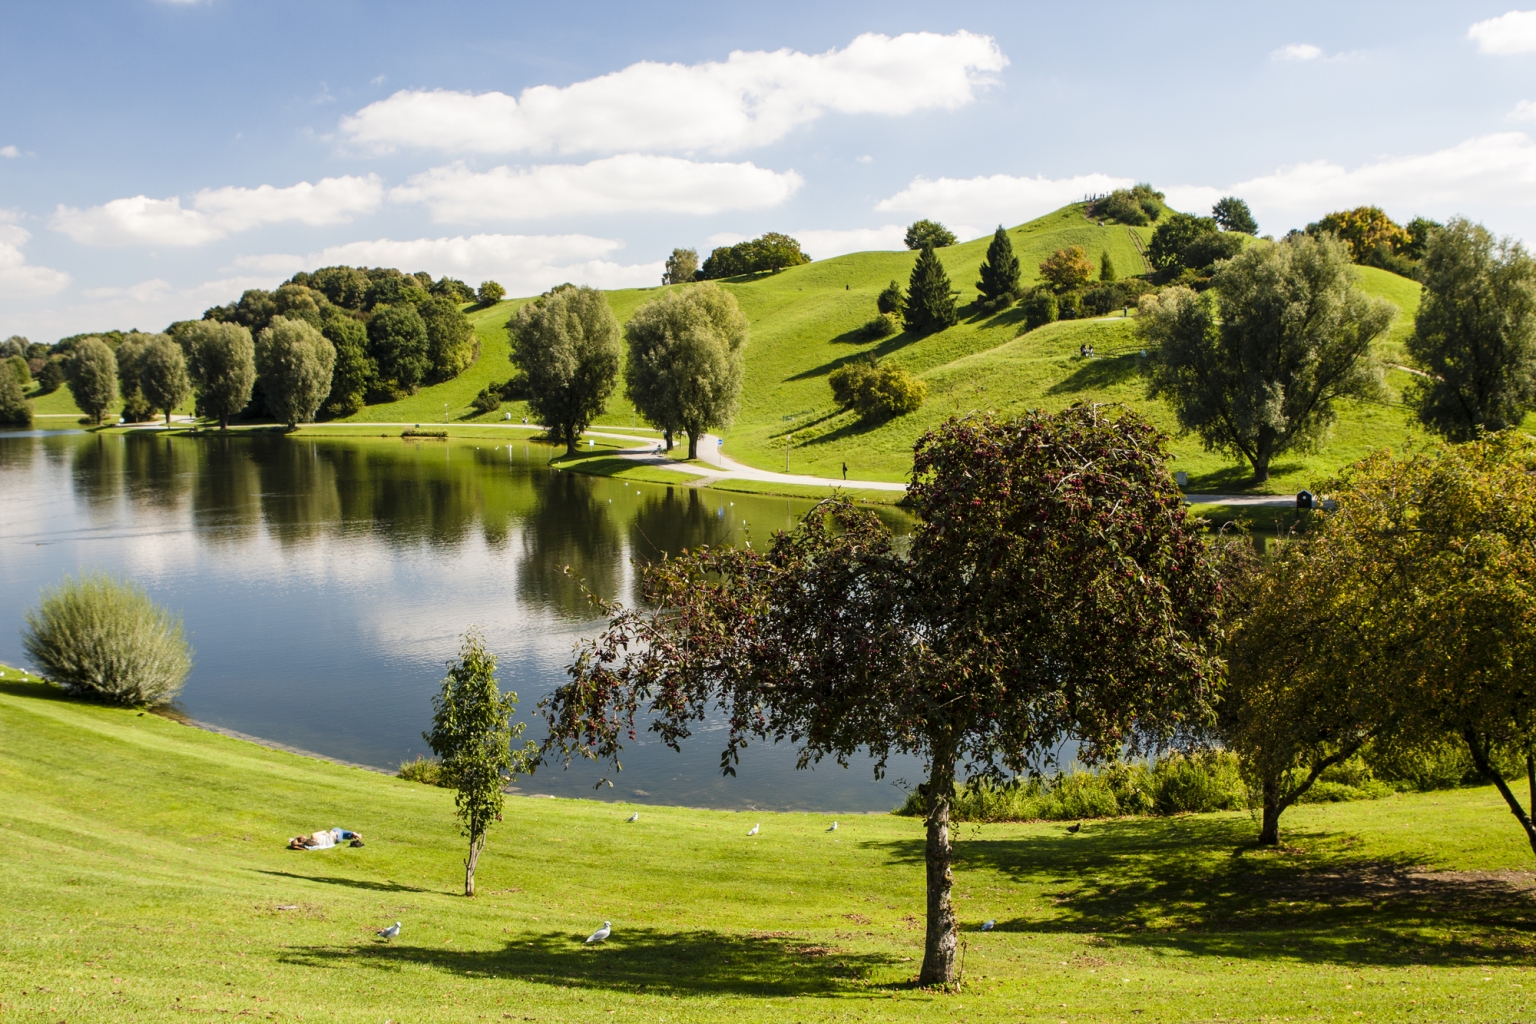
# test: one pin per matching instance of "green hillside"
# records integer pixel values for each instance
(806, 320)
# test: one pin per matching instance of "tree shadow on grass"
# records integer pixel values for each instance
(1199, 886)
(1098, 373)
(894, 343)
(648, 959)
(1234, 479)
(354, 883)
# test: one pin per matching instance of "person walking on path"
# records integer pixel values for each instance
(845, 471)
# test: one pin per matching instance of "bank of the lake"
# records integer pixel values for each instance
(146, 880)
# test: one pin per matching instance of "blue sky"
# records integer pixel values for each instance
(158, 157)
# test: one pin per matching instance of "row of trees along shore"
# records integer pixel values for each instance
(323, 343)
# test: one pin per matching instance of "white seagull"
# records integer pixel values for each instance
(391, 931)
(833, 828)
(988, 924)
(633, 817)
(601, 935)
(754, 829)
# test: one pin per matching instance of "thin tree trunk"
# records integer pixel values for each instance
(570, 441)
(1269, 828)
(666, 435)
(167, 419)
(476, 844)
(1484, 762)
(942, 939)
(224, 421)
(1530, 779)
(1275, 804)
(693, 444)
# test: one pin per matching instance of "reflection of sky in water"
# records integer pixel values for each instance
(324, 585)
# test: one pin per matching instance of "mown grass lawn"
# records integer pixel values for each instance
(145, 879)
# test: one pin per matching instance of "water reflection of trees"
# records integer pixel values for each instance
(226, 492)
(570, 526)
(666, 524)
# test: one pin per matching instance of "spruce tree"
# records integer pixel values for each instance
(930, 304)
(1000, 270)
(1106, 268)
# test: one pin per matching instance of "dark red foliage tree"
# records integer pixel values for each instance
(1053, 589)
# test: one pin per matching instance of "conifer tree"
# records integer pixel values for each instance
(1107, 268)
(930, 304)
(1000, 270)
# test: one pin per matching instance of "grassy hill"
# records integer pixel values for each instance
(146, 879)
(806, 320)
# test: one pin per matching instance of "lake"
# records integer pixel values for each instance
(325, 583)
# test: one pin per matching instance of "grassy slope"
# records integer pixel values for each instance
(144, 876)
(805, 323)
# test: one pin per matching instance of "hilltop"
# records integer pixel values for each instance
(806, 322)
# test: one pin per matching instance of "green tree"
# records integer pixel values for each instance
(566, 343)
(454, 290)
(930, 303)
(1363, 230)
(1232, 214)
(877, 392)
(1067, 269)
(976, 647)
(101, 637)
(890, 299)
(490, 293)
(472, 735)
(398, 343)
(1174, 235)
(1107, 268)
(451, 344)
(223, 361)
(91, 373)
(294, 363)
(1475, 333)
(163, 375)
(355, 373)
(681, 266)
(1000, 270)
(1255, 365)
(774, 252)
(15, 410)
(928, 234)
(131, 349)
(685, 360)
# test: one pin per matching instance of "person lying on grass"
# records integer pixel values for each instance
(325, 839)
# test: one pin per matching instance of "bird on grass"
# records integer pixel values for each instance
(833, 828)
(989, 924)
(391, 931)
(754, 829)
(601, 935)
(1074, 829)
(633, 817)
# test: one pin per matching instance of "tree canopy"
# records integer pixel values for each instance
(1054, 587)
(999, 270)
(1254, 365)
(566, 343)
(163, 375)
(1232, 214)
(1475, 333)
(293, 364)
(769, 252)
(223, 363)
(928, 234)
(91, 373)
(681, 267)
(1067, 269)
(1138, 206)
(686, 349)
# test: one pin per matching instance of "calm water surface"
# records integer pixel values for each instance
(325, 583)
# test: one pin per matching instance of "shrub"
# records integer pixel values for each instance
(877, 392)
(1206, 780)
(488, 400)
(426, 770)
(1067, 269)
(490, 293)
(103, 637)
(1039, 308)
(882, 326)
(52, 375)
(1069, 306)
(890, 300)
(1139, 205)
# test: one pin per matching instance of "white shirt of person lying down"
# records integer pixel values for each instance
(322, 839)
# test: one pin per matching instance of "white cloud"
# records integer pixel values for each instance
(627, 183)
(523, 264)
(1492, 175)
(1513, 32)
(10, 152)
(999, 199)
(215, 213)
(1525, 110)
(282, 264)
(749, 99)
(18, 278)
(823, 243)
(1297, 52)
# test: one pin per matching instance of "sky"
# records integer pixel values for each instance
(158, 157)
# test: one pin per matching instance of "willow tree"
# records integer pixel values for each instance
(294, 363)
(1053, 589)
(566, 342)
(223, 362)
